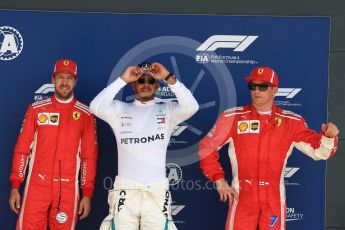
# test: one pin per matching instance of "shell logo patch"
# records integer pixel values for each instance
(243, 126)
(42, 118)
(248, 126)
(76, 115)
(48, 118)
(66, 62)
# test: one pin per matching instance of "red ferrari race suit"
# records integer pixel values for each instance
(259, 146)
(57, 140)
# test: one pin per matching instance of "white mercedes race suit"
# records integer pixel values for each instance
(142, 131)
(133, 204)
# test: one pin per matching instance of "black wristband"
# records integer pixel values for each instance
(169, 76)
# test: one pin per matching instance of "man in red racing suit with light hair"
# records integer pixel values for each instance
(58, 141)
(261, 137)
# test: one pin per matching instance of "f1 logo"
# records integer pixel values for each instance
(175, 209)
(288, 92)
(46, 88)
(237, 42)
(43, 92)
(288, 172)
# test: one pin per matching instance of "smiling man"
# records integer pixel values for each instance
(57, 141)
(261, 137)
(141, 198)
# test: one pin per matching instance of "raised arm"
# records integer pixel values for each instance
(317, 146)
(103, 105)
(187, 105)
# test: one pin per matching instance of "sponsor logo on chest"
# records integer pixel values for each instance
(248, 126)
(48, 118)
(76, 115)
(142, 140)
(126, 121)
(126, 115)
(160, 120)
(160, 115)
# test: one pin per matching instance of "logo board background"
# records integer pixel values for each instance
(104, 44)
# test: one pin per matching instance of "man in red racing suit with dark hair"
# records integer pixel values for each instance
(261, 137)
(58, 141)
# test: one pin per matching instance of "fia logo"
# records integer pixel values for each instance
(202, 58)
(11, 43)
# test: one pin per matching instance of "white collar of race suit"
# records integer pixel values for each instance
(269, 112)
(144, 103)
(66, 101)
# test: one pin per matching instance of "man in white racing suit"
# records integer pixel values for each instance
(141, 198)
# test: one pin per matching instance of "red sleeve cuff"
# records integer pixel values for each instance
(15, 184)
(217, 177)
(87, 192)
